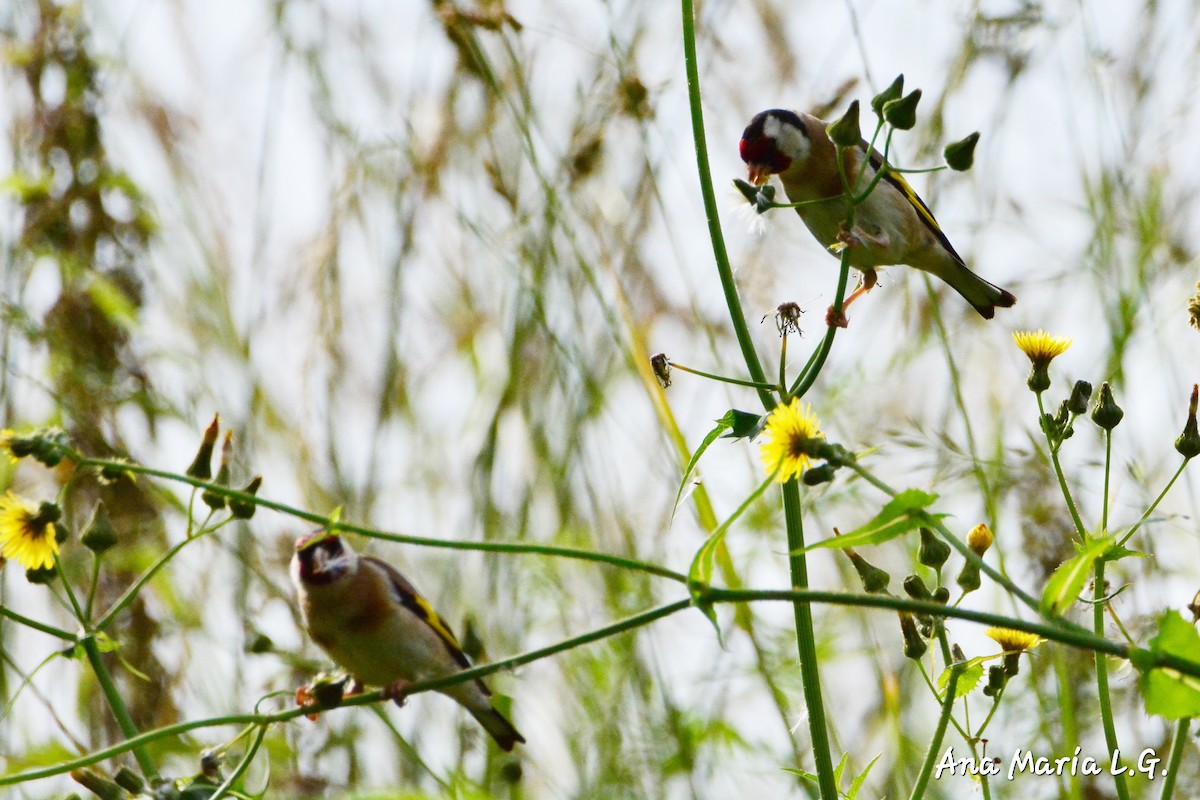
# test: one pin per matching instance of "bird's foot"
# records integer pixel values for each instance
(837, 319)
(397, 691)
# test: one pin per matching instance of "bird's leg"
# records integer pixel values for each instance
(397, 691)
(836, 319)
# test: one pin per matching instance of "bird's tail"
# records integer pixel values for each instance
(985, 297)
(494, 723)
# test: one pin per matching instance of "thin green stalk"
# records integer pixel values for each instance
(806, 644)
(768, 387)
(806, 379)
(117, 704)
(227, 785)
(50, 630)
(136, 741)
(728, 286)
(420, 541)
(1145, 516)
(935, 744)
(1058, 471)
(1105, 696)
(1174, 760)
(1070, 726)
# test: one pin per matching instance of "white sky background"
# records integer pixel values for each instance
(267, 179)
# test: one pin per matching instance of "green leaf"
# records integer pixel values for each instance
(968, 679)
(723, 424)
(1067, 582)
(112, 301)
(1168, 692)
(861, 778)
(898, 517)
(743, 424)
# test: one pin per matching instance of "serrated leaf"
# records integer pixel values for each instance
(897, 517)
(723, 424)
(968, 678)
(1067, 582)
(1168, 692)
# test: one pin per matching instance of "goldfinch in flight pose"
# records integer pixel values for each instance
(375, 625)
(892, 226)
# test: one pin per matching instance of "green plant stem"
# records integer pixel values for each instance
(1176, 757)
(935, 744)
(50, 630)
(1072, 635)
(808, 377)
(1066, 706)
(1145, 516)
(117, 704)
(135, 588)
(420, 541)
(806, 644)
(136, 741)
(244, 764)
(1102, 690)
(936, 524)
(1058, 472)
(720, 256)
(768, 387)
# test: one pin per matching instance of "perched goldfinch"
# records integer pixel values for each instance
(892, 226)
(376, 626)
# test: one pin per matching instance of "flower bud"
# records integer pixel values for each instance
(99, 535)
(968, 578)
(241, 509)
(845, 131)
(980, 539)
(818, 475)
(914, 645)
(1078, 402)
(902, 114)
(201, 466)
(997, 678)
(941, 595)
(893, 92)
(933, 551)
(212, 499)
(1188, 443)
(874, 580)
(129, 780)
(915, 588)
(41, 575)
(98, 784)
(1106, 413)
(960, 155)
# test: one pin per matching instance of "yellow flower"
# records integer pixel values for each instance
(1014, 641)
(793, 440)
(26, 534)
(1041, 348)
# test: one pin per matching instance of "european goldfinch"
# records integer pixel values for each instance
(377, 627)
(892, 226)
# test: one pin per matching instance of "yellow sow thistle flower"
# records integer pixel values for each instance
(25, 536)
(1041, 348)
(793, 437)
(1011, 641)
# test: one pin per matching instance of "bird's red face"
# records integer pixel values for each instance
(760, 146)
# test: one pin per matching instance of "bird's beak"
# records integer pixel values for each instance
(758, 173)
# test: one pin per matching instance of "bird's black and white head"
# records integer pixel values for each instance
(772, 142)
(322, 558)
